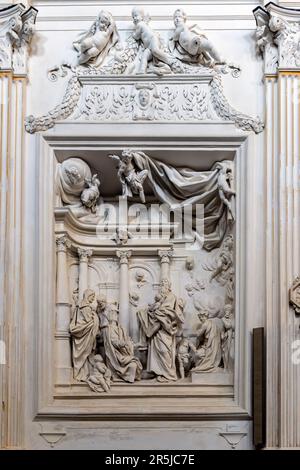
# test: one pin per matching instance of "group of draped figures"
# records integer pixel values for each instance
(103, 352)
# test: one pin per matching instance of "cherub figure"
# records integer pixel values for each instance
(122, 235)
(183, 356)
(225, 190)
(151, 41)
(224, 266)
(90, 195)
(140, 279)
(132, 181)
(94, 45)
(100, 377)
(190, 45)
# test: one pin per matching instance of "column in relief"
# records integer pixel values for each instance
(13, 250)
(165, 259)
(84, 256)
(63, 309)
(124, 312)
(277, 40)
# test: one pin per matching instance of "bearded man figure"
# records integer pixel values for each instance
(160, 323)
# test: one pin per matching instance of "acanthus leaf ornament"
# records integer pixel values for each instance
(17, 26)
(265, 41)
(278, 37)
(183, 87)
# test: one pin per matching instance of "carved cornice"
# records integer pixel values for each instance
(16, 31)
(177, 98)
(278, 37)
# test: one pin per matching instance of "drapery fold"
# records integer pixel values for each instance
(186, 187)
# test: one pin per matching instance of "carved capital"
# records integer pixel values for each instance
(16, 30)
(62, 243)
(294, 295)
(123, 256)
(278, 37)
(165, 256)
(265, 41)
(84, 254)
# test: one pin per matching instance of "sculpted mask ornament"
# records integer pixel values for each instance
(144, 97)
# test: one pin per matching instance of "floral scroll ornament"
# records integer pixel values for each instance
(294, 295)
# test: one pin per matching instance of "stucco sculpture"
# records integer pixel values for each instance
(190, 45)
(152, 45)
(208, 352)
(118, 346)
(94, 45)
(84, 327)
(132, 180)
(160, 323)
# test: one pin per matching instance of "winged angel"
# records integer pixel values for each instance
(132, 181)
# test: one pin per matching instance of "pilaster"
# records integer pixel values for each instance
(16, 30)
(278, 32)
(124, 318)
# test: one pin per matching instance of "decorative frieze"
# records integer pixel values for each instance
(145, 78)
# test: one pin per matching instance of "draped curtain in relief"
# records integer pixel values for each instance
(183, 187)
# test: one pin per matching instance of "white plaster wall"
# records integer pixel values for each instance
(231, 26)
